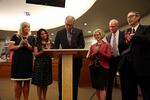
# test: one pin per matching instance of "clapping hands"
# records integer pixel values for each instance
(96, 49)
(128, 36)
(24, 43)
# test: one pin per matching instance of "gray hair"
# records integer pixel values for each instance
(114, 21)
(70, 18)
(100, 31)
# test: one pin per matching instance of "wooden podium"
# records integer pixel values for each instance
(67, 75)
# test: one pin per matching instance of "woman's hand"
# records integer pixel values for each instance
(95, 50)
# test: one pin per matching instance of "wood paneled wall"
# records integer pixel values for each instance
(84, 76)
(4, 70)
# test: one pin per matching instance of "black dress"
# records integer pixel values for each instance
(99, 75)
(22, 59)
(42, 72)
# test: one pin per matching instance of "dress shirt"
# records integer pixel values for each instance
(135, 28)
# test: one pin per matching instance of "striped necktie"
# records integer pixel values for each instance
(69, 36)
(114, 48)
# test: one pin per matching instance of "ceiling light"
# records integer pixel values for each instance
(52, 34)
(12, 13)
(85, 24)
(89, 32)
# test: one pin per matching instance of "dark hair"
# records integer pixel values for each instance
(137, 14)
(38, 41)
(39, 34)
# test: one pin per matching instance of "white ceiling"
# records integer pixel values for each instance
(13, 12)
(98, 15)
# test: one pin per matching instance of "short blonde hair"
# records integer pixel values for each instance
(22, 25)
(100, 31)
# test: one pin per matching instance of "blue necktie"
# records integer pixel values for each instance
(69, 36)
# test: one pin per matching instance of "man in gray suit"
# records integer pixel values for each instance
(116, 39)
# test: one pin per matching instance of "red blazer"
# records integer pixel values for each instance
(105, 53)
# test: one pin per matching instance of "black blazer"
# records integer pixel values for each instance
(121, 45)
(140, 50)
(77, 41)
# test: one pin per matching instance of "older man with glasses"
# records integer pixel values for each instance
(136, 62)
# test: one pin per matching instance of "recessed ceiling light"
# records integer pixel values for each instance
(85, 24)
(89, 32)
(52, 33)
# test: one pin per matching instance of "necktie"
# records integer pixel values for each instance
(69, 36)
(115, 53)
(133, 30)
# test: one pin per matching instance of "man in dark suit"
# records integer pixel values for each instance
(116, 39)
(135, 69)
(70, 38)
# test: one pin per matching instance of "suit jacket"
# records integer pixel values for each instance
(104, 54)
(121, 45)
(140, 50)
(77, 41)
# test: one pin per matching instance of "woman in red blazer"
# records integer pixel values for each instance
(103, 51)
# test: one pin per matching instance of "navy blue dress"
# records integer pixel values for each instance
(22, 60)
